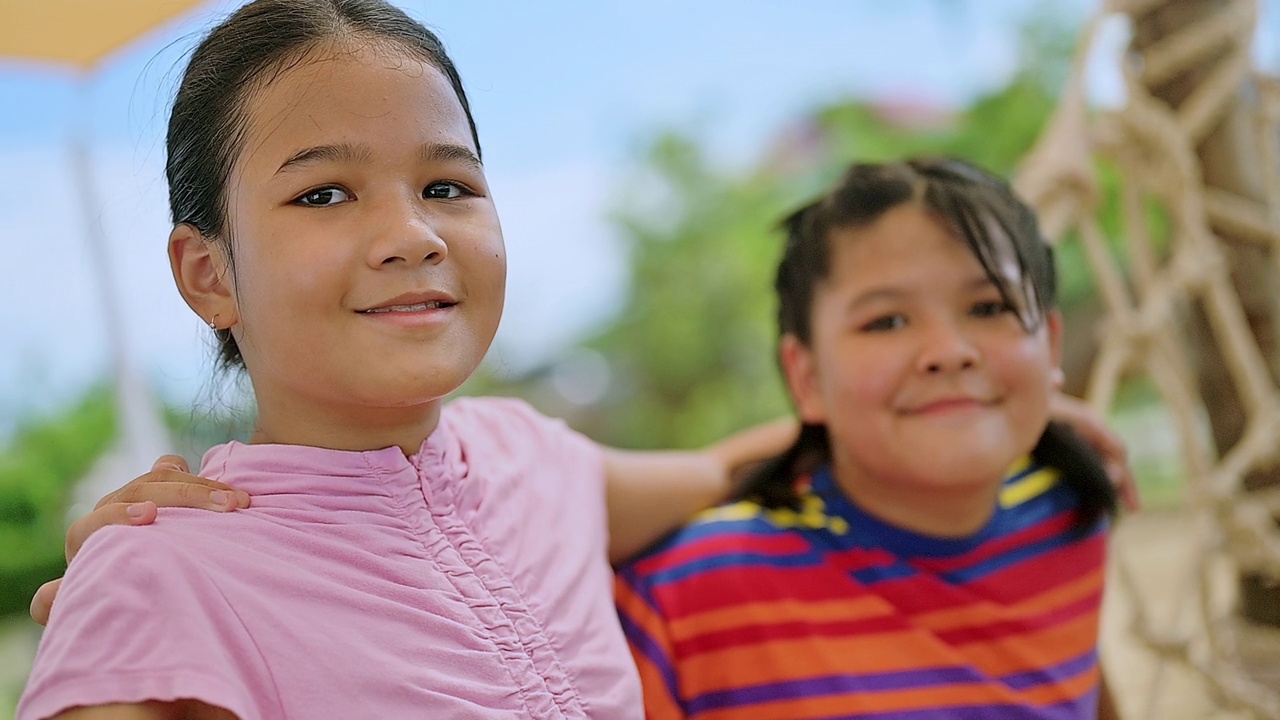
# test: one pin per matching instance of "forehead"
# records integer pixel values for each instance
(904, 239)
(351, 94)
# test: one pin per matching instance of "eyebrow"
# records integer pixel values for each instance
(444, 152)
(348, 153)
(342, 152)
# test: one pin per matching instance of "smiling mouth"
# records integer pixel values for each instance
(949, 406)
(417, 307)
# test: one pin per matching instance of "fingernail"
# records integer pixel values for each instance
(135, 511)
(220, 497)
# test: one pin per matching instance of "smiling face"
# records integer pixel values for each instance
(928, 384)
(369, 267)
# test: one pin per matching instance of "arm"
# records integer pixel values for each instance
(650, 493)
(180, 710)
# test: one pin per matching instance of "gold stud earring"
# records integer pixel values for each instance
(213, 323)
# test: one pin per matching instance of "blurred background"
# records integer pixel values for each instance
(640, 155)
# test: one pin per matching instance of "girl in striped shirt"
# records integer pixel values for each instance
(931, 546)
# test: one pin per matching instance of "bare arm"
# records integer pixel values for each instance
(180, 710)
(650, 493)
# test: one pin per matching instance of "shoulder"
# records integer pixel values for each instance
(510, 427)
(508, 417)
(167, 559)
(132, 612)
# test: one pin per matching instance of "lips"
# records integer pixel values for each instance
(411, 303)
(948, 405)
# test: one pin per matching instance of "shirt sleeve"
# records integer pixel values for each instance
(647, 636)
(133, 621)
(519, 443)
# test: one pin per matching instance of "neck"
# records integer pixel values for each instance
(344, 428)
(946, 512)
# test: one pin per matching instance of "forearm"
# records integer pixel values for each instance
(652, 493)
(179, 710)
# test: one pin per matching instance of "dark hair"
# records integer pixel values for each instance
(982, 209)
(207, 124)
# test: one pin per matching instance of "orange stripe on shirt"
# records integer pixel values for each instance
(1035, 650)
(776, 612)
(785, 660)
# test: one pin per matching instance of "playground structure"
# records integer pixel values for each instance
(1193, 308)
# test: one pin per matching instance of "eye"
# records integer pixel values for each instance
(989, 308)
(324, 197)
(884, 323)
(444, 191)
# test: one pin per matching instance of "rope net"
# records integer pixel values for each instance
(1193, 254)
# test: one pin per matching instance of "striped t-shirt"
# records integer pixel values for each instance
(827, 612)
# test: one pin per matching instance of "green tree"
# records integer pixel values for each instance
(43, 461)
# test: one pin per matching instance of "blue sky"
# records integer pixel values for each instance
(562, 93)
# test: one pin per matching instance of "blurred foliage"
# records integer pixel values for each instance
(45, 457)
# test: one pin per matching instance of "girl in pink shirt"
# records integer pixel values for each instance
(334, 228)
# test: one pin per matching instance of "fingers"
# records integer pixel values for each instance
(170, 488)
(171, 462)
(143, 513)
(170, 484)
(1126, 486)
(42, 603)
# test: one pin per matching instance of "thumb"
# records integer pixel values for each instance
(42, 603)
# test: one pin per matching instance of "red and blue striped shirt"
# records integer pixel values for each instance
(826, 612)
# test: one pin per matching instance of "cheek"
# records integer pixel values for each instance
(868, 373)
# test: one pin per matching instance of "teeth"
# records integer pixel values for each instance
(433, 305)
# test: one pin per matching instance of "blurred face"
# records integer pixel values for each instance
(928, 384)
(369, 263)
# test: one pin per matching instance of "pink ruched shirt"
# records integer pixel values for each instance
(468, 581)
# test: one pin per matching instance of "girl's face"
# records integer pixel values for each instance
(926, 382)
(369, 262)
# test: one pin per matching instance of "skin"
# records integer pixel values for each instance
(929, 384)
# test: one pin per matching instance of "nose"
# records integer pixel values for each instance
(406, 234)
(946, 348)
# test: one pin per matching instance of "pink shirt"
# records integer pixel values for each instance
(468, 581)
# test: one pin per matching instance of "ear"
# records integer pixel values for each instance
(202, 273)
(1053, 328)
(801, 373)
